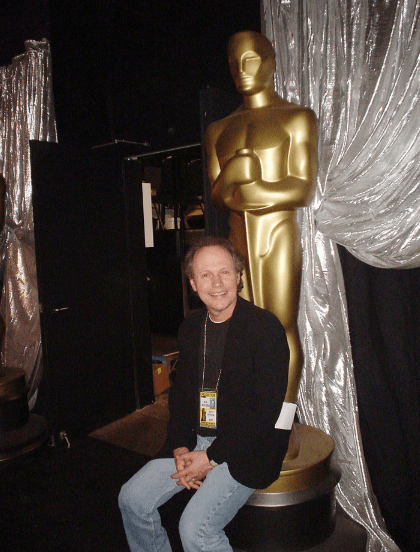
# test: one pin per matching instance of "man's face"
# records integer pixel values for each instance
(249, 70)
(216, 281)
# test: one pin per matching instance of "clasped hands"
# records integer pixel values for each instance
(192, 467)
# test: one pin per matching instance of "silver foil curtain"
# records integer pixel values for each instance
(26, 113)
(356, 63)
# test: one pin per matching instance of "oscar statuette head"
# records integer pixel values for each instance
(251, 61)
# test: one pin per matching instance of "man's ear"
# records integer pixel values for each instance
(193, 284)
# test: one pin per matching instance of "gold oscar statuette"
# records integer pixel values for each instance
(262, 165)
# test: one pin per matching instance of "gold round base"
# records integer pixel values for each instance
(310, 466)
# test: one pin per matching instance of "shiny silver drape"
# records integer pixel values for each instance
(357, 64)
(26, 113)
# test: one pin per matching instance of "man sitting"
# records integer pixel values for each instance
(230, 384)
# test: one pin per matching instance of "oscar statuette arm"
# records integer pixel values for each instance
(291, 174)
(277, 178)
(216, 178)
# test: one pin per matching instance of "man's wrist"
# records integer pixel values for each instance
(212, 462)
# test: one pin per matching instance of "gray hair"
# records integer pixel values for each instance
(209, 241)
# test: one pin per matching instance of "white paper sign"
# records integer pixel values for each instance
(287, 416)
(147, 214)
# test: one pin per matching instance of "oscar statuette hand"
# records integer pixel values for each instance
(243, 168)
(241, 177)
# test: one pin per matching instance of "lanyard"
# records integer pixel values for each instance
(204, 356)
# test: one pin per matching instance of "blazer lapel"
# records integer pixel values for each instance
(234, 339)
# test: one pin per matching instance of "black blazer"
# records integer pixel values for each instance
(251, 392)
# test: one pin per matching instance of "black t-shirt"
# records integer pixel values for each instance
(215, 346)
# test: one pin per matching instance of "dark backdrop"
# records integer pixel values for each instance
(92, 286)
(130, 70)
(384, 319)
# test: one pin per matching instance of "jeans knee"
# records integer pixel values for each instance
(127, 499)
(123, 497)
(189, 532)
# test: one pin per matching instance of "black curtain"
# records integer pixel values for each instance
(384, 322)
(92, 284)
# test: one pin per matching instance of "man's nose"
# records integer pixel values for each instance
(217, 280)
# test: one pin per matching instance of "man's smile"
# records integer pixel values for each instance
(216, 281)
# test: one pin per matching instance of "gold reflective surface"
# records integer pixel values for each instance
(312, 464)
(262, 165)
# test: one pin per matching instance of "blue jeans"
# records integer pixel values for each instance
(210, 509)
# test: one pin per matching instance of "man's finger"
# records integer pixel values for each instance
(182, 481)
(196, 484)
(181, 473)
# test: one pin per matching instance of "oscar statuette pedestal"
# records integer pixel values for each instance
(297, 511)
(20, 432)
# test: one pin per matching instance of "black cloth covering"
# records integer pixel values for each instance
(384, 321)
